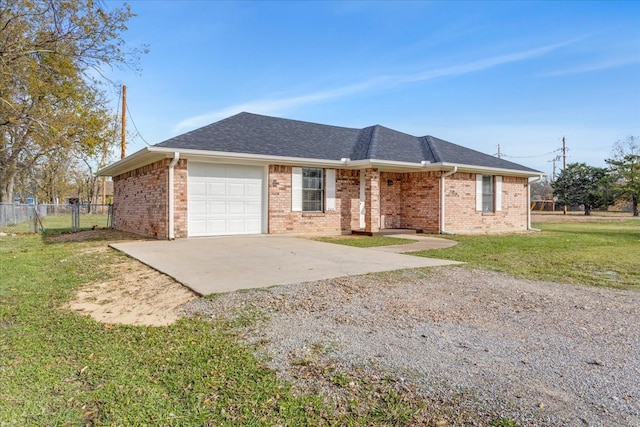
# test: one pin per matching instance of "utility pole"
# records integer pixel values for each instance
(499, 154)
(564, 166)
(123, 142)
(553, 174)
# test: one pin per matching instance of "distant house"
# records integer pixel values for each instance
(252, 174)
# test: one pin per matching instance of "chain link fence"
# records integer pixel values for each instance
(28, 218)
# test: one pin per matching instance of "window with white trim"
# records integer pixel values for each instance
(488, 193)
(313, 189)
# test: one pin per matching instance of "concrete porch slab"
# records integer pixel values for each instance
(423, 243)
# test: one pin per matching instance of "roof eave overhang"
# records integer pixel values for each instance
(150, 155)
(140, 158)
(394, 166)
(493, 171)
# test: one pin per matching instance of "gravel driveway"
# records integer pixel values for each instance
(478, 345)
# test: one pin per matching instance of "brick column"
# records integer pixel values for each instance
(372, 200)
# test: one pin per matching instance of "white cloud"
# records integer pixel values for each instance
(276, 106)
(272, 106)
(586, 68)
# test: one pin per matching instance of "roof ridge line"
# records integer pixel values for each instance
(294, 120)
(434, 152)
(374, 132)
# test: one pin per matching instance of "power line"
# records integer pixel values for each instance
(532, 156)
(136, 127)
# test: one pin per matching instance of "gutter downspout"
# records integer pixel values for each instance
(442, 210)
(529, 203)
(174, 161)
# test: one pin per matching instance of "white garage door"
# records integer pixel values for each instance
(224, 199)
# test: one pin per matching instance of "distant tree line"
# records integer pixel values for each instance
(595, 187)
(55, 126)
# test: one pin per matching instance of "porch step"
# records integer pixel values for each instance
(387, 231)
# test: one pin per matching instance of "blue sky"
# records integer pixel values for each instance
(480, 74)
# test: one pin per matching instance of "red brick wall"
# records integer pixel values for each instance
(421, 202)
(461, 215)
(180, 199)
(410, 200)
(391, 199)
(141, 200)
(372, 200)
(282, 220)
(348, 198)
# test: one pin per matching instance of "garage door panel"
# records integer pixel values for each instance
(217, 226)
(253, 190)
(196, 170)
(216, 207)
(236, 189)
(236, 226)
(244, 172)
(197, 188)
(224, 199)
(253, 224)
(235, 208)
(253, 208)
(216, 189)
(197, 226)
(198, 207)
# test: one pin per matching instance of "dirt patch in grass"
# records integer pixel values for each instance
(136, 295)
(107, 234)
(131, 292)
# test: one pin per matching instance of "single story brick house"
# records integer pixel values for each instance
(252, 174)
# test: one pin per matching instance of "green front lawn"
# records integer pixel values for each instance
(598, 253)
(602, 253)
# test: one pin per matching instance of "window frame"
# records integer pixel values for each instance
(488, 197)
(481, 195)
(318, 191)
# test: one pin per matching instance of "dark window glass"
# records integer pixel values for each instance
(312, 189)
(487, 193)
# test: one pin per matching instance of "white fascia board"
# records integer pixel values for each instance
(149, 155)
(493, 171)
(393, 166)
(139, 158)
(247, 158)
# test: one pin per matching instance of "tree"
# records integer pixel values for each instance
(625, 170)
(542, 190)
(48, 99)
(581, 184)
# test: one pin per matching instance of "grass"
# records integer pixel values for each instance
(365, 241)
(603, 253)
(58, 367)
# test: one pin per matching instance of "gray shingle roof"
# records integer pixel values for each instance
(263, 135)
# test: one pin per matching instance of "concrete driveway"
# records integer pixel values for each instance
(225, 264)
